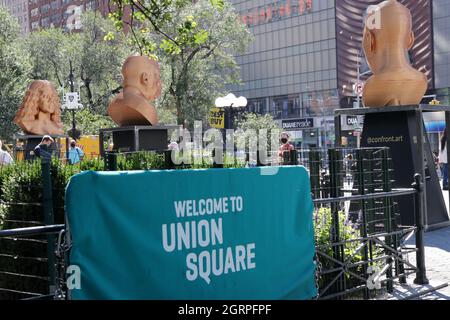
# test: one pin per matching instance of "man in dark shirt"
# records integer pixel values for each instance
(43, 149)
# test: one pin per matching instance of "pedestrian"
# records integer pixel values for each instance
(43, 150)
(75, 153)
(443, 160)
(5, 157)
(173, 146)
(285, 146)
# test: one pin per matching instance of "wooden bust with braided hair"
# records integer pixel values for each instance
(40, 111)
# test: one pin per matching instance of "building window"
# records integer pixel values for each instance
(55, 4)
(279, 107)
(91, 5)
(45, 8)
(34, 12)
(56, 18)
(35, 25)
(45, 22)
(320, 103)
(257, 105)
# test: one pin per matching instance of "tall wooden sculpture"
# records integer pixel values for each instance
(40, 111)
(386, 44)
(141, 85)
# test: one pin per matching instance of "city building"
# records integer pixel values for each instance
(289, 70)
(65, 14)
(19, 9)
(306, 60)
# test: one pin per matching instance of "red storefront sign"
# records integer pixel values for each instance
(277, 11)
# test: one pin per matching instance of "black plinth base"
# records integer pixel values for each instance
(399, 132)
(138, 138)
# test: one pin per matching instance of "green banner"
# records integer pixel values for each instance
(192, 234)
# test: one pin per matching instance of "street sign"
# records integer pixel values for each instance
(72, 101)
(358, 88)
(293, 124)
(217, 118)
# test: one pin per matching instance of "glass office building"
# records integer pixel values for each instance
(303, 61)
(289, 70)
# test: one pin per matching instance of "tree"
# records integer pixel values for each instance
(88, 122)
(50, 50)
(100, 63)
(14, 71)
(195, 42)
(96, 62)
(249, 126)
(256, 122)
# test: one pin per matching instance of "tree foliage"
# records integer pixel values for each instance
(14, 71)
(195, 43)
(249, 127)
(88, 122)
(256, 122)
(96, 62)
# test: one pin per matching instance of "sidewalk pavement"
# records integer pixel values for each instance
(437, 262)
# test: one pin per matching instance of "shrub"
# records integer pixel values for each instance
(140, 161)
(21, 198)
(20, 206)
(323, 225)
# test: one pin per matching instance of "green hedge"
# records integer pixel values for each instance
(20, 199)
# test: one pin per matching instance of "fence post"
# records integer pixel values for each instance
(421, 276)
(314, 173)
(286, 158)
(338, 252)
(215, 164)
(47, 204)
(168, 159)
(360, 159)
(294, 157)
(387, 212)
(111, 161)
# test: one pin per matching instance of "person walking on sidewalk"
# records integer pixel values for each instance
(443, 160)
(5, 157)
(75, 153)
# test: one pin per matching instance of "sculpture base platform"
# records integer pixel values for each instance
(401, 128)
(31, 141)
(137, 138)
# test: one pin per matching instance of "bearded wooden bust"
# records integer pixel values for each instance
(40, 111)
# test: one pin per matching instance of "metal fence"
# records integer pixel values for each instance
(27, 206)
(359, 242)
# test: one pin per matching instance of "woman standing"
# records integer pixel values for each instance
(443, 160)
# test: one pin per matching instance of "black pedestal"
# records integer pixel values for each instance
(400, 131)
(137, 138)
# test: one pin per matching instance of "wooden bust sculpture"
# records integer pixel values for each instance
(141, 85)
(40, 111)
(394, 81)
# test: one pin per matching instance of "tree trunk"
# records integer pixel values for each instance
(180, 120)
(87, 84)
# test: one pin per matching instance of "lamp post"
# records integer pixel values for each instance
(72, 102)
(72, 89)
(230, 103)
